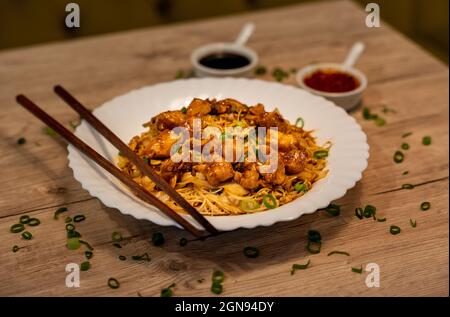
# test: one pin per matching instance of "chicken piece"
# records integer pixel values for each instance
(159, 147)
(255, 114)
(199, 107)
(274, 119)
(228, 106)
(286, 142)
(257, 109)
(294, 161)
(277, 177)
(170, 169)
(219, 172)
(249, 179)
(168, 120)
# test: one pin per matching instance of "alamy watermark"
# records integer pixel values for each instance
(73, 18)
(373, 18)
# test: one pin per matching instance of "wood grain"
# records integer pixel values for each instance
(36, 178)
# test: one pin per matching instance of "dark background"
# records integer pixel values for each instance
(27, 22)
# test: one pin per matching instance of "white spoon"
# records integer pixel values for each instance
(244, 35)
(353, 55)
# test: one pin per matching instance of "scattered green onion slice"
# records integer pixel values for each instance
(113, 283)
(369, 211)
(27, 235)
(79, 218)
(251, 252)
(68, 220)
(394, 230)
(146, 159)
(50, 132)
(296, 267)
(300, 187)
(24, 219)
(116, 236)
(73, 243)
(260, 70)
(398, 157)
(15, 248)
(407, 134)
(216, 288)
(314, 236)
(58, 211)
(333, 210)
(381, 219)
(320, 154)
(359, 212)
(122, 257)
(300, 123)
(143, 257)
(85, 266)
(73, 234)
(167, 292)
(88, 254)
(357, 269)
(339, 252)
(179, 74)
(380, 121)
(314, 247)
(16, 228)
(249, 204)
(70, 227)
(407, 186)
(269, 201)
(21, 141)
(405, 146)
(218, 276)
(426, 140)
(34, 222)
(158, 239)
(413, 223)
(405, 173)
(184, 110)
(117, 245)
(183, 242)
(90, 248)
(425, 206)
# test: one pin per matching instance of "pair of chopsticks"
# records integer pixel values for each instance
(138, 190)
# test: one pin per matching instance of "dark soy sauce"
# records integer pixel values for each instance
(224, 60)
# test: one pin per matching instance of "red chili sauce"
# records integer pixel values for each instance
(331, 80)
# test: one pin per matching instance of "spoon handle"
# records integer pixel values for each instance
(354, 54)
(245, 34)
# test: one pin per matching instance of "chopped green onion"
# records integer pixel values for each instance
(320, 154)
(216, 288)
(15, 248)
(407, 186)
(300, 123)
(179, 74)
(113, 283)
(50, 132)
(369, 211)
(21, 141)
(260, 70)
(339, 252)
(183, 242)
(394, 230)
(296, 267)
(413, 223)
(218, 276)
(366, 114)
(68, 220)
(425, 206)
(184, 110)
(398, 157)
(58, 211)
(405, 173)
(85, 266)
(90, 248)
(314, 236)
(380, 122)
(300, 187)
(269, 201)
(314, 247)
(24, 219)
(251, 252)
(122, 257)
(407, 134)
(34, 222)
(333, 210)
(70, 227)
(143, 257)
(117, 245)
(88, 254)
(359, 212)
(381, 219)
(146, 159)
(73, 243)
(405, 146)
(357, 269)
(158, 239)
(79, 218)
(249, 204)
(426, 140)
(16, 228)
(27, 235)
(116, 236)
(167, 292)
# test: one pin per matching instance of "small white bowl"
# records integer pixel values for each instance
(347, 100)
(234, 48)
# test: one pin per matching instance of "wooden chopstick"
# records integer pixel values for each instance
(139, 191)
(136, 160)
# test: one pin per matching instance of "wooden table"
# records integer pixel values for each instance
(36, 180)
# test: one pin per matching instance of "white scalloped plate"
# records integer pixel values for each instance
(125, 114)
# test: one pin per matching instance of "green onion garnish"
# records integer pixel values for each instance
(405, 173)
(27, 235)
(249, 204)
(320, 154)
(21, 141)
(218, 276)
(407, 186)
(300, 187)
(296, 267)
(314, 236)
(339, 252)
(113, 283)
(216, 288)
(70, 227)
(251, 252)
(117, 245)
(369, 211)
(269, 201)
(58, 211)
(73, 243)
(90, 248)
(380, 121)
(179, 74)
(426, 140)
(122, 257)
(24, 219)
(333, 210)
(398, 157)
(413, 223)
(50, 132)
(85, 266)
(381, 219)
(73, 234)
(15, 248)
(184, 110)
(425, 206)
(16, 228)
(158, 239)
(357, 269)
(88, 254)
(79, 218)
(167, 292)
(359, 212)
(68, 220)
(405, 146)
(300, 123)
(407, 134)
(183, 242)
(143, 257)
(116, 236)
(394, 230)
(260, 70)
(314, 247)
(34, 222)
